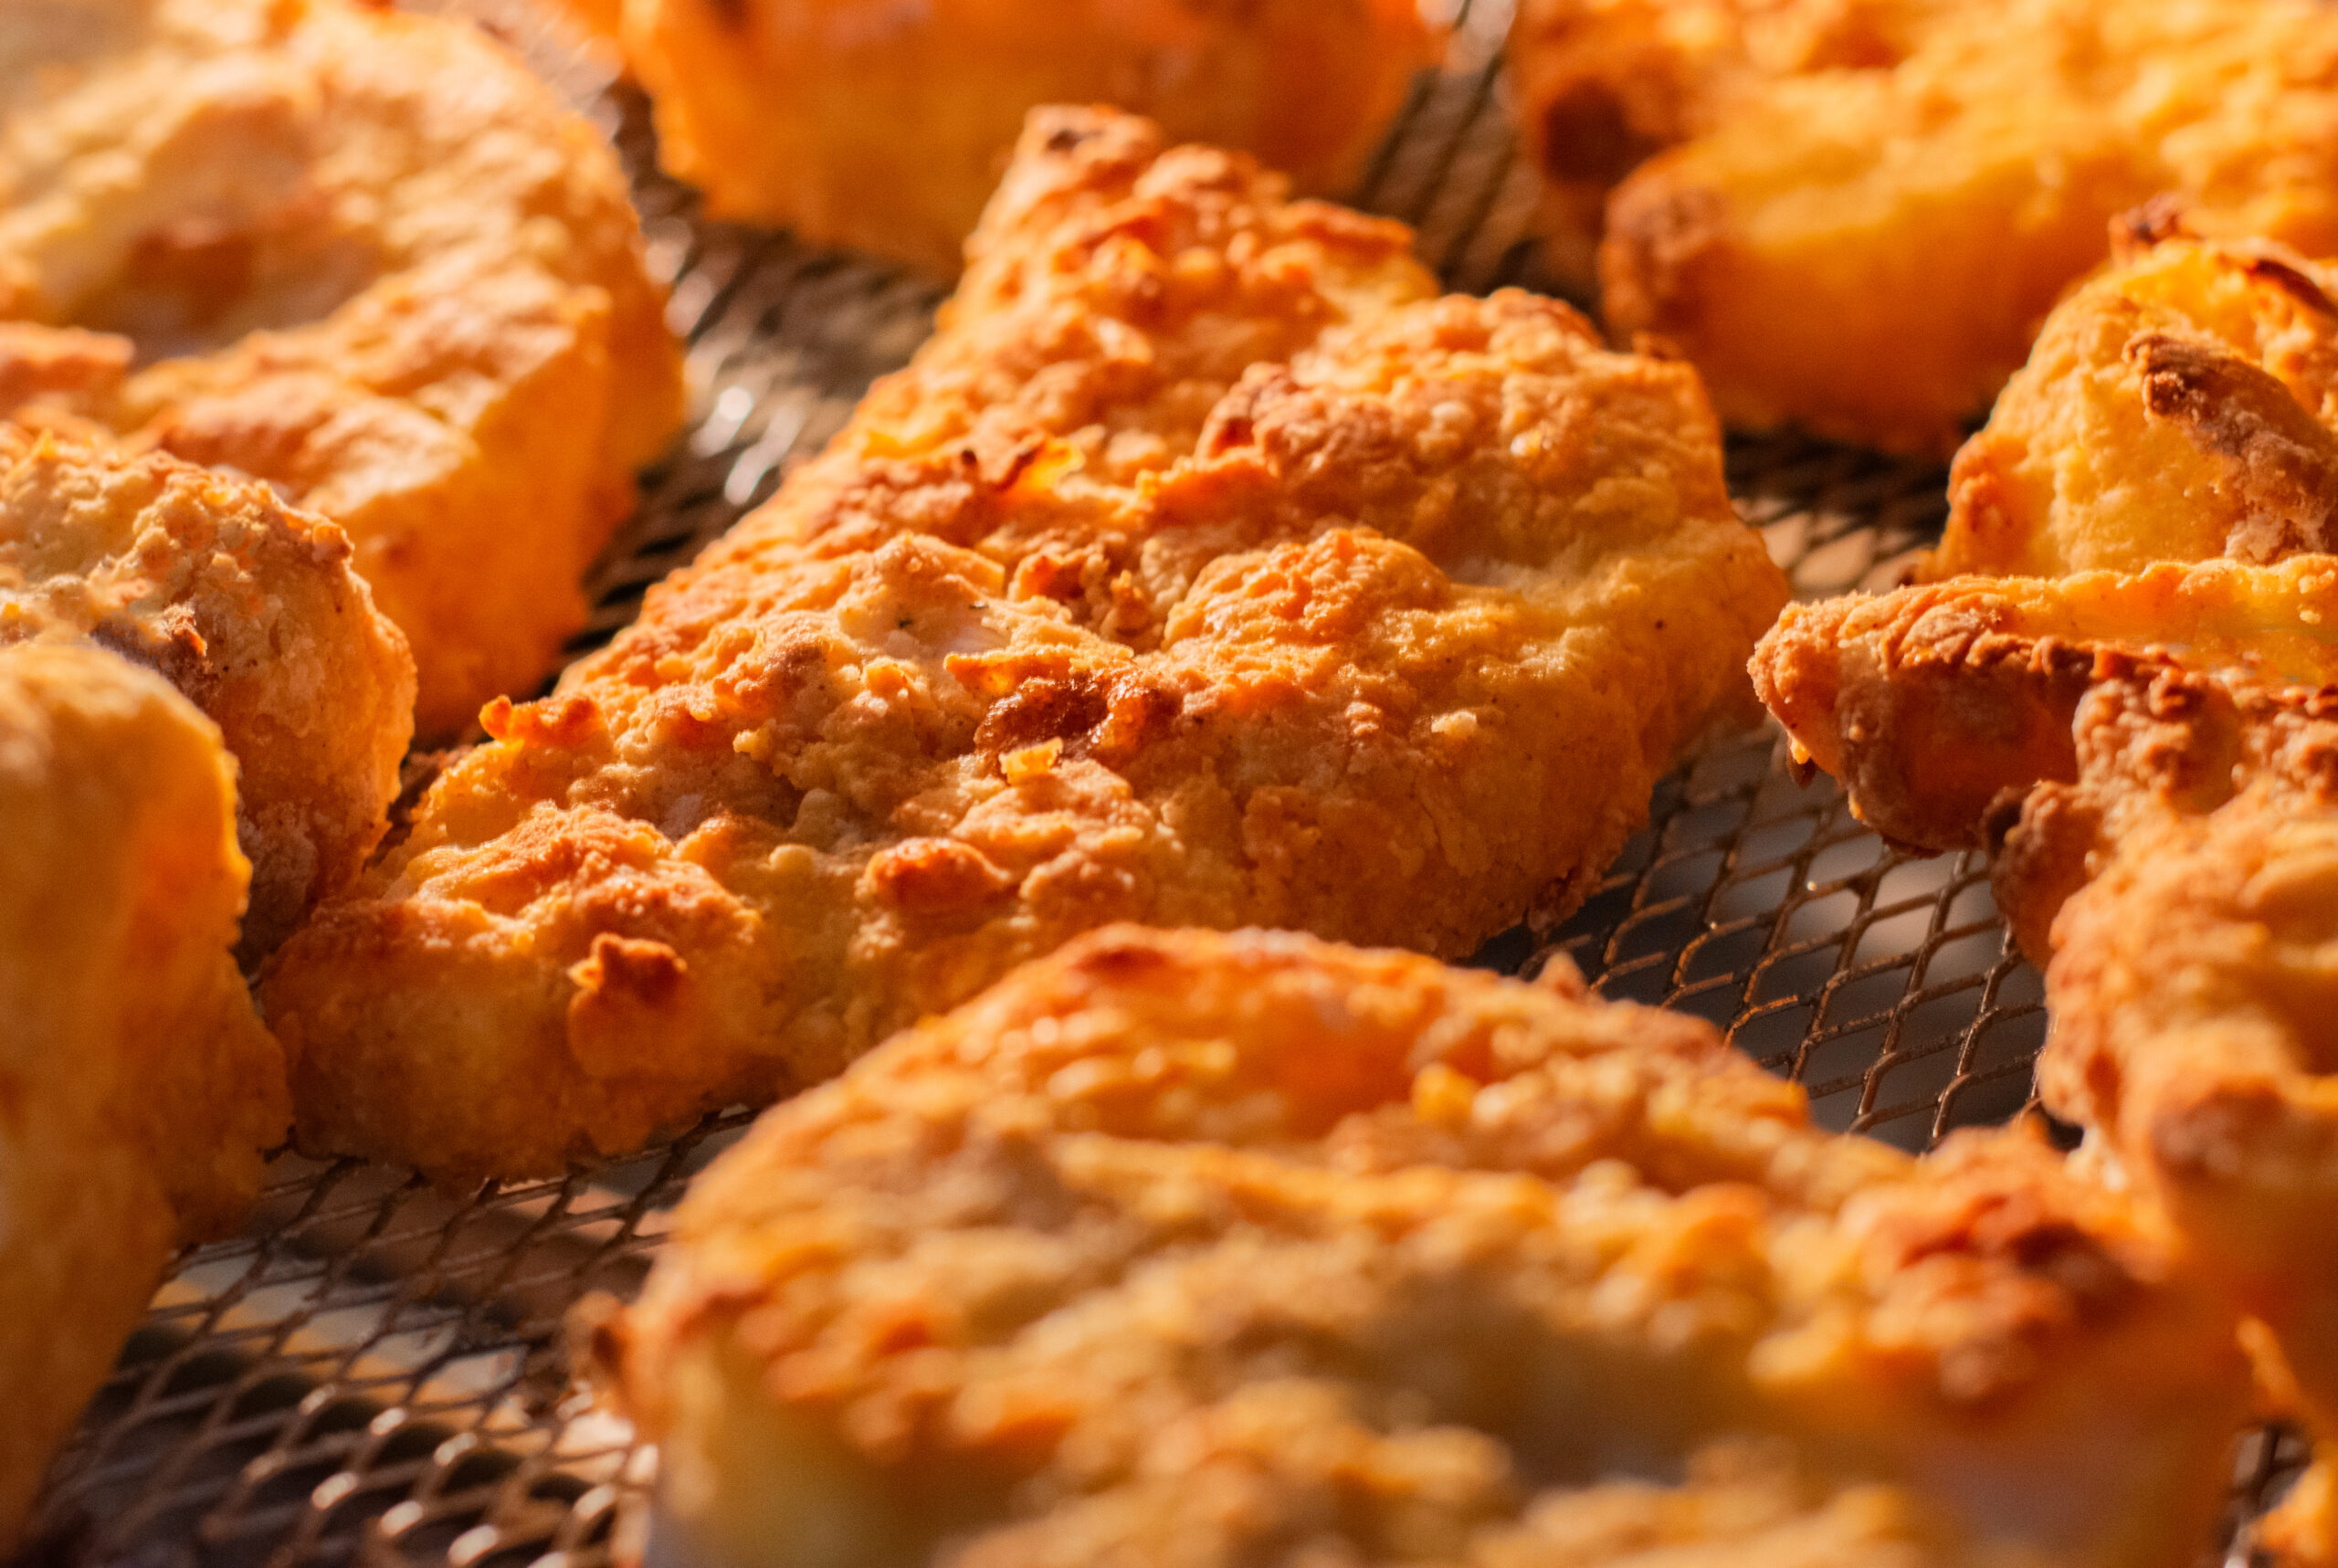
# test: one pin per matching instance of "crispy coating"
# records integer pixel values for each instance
(2149, 739)
(253, 612)
(1862, 236)
(2154, 478)
(1932, 702)
(1602, 86)
(137, 1089)
(2182, 407)
(2175, 868)
(1175, 1248)
(362, 256)
(2157, 479)
(2195, 862)
(882, 126)
(1206, 568)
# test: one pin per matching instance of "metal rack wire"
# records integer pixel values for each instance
(374, 1372)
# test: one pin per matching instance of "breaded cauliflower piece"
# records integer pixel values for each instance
(137, 1089)
(1206, 568)
(1862, 236)
(361, 255)
(883, 126)
(251, 610)
(1182, 1249)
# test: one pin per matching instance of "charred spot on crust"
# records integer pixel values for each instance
(2178, 375)
(998, 464)
(1044, 708)
(1123, 955)
(2287, 462)
(1998, 824)
(1589, 135)
(170, 644)
(2156, 222)
(1138, 710)
(2290, 280)
(1113, 716)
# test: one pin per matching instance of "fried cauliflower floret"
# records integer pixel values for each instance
(362, 255)
(1862, 241)
(252, 611)
(2184, 407)
(1175, 1248)
(137, 1089)
(1206, 568)
(882, 126)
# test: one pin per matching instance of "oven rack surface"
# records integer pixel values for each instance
(374, 1372)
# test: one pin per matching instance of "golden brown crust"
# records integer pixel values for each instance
(1863, 244)
(2210, 366)
(1602, 86)
(1928, 704)
(1205, 568)
(1342, 1256)
(871, 124)
(2154, 486)
(1931, 702)
(2193, 971)
(2279, 452)
(360, 255)
(2154, 731)
(137, 1089)
(253, 612)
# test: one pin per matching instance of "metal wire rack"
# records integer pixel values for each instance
(374, 1372)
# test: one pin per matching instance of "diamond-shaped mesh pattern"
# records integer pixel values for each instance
(1881, 980)
(374, 1372)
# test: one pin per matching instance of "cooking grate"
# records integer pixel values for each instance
(372, 1374)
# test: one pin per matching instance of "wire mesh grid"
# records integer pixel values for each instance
(374, 1372)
